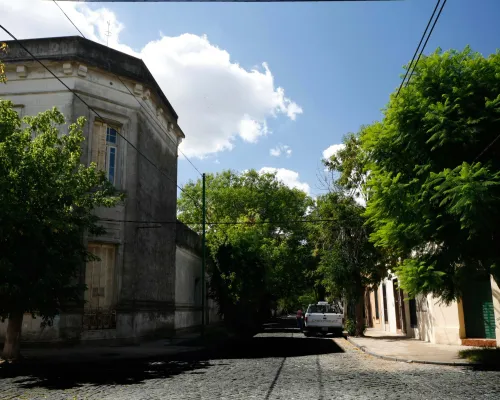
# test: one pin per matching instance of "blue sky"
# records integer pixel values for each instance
(338, 61)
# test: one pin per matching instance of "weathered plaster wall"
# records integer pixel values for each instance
(148, 274)
(188, 289)
(437, 322)
(446, 322)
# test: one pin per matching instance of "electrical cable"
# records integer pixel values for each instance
(418, 47)
(427, 40)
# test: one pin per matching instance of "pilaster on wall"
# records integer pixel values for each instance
(495, 291)
(461, 320)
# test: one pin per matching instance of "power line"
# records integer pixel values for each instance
(487, 148)
(418, 47)
(428, 37)
(128, 89)
(93, 110)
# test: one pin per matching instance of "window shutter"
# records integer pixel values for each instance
(99, 145)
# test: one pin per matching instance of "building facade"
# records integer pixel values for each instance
(473, 320)
(132, 289)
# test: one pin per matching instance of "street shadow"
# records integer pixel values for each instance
(275, 347)
(104, 372)
(119, 371)
(279, 329)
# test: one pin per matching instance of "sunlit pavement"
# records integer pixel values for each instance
(277, 364)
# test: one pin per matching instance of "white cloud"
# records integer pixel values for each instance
(217, 100)
(281, 149)
(250, 130)
(333, 149)
(288, 177)
(276, 152)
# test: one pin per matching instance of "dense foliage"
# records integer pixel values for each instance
(46, 205)
(348, 261)
(263, 258)
(434, 194)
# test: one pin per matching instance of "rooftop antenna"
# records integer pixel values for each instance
(108, 34)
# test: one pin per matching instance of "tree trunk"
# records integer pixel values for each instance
(360, 320)
(321, 293)
(13, 336)
(368, 310)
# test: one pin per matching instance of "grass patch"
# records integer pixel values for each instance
(486, 356)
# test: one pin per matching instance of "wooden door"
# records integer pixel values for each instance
(478, 309)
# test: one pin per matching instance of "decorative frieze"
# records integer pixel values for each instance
(67, 68)
(146, 95)
(138, 89)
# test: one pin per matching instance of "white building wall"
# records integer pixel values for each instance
(187, 289)
(188, 292)
(390, 325)
(445, 322)
(392, 307)
(436, 322)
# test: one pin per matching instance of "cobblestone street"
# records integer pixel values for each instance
(280, 364)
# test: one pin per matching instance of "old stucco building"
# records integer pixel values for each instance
(474, 320)
(132, 291)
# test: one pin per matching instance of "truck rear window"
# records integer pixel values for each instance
(322, 309)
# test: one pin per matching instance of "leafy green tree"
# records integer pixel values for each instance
(261, 260)
(46, 205)
(349, 262)
(435, 174)
(348, 166)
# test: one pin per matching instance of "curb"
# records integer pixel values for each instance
(399, 359)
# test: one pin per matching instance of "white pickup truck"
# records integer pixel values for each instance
(323, 318)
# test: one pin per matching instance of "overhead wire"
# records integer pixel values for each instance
(94, 111)
(418, 47)
(407, 72)
(487, 148)
(427, 40)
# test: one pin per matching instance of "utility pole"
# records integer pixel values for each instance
(203, 257)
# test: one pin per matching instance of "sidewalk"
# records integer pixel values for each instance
(396, 347)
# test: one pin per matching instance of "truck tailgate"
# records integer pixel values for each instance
(329, 320)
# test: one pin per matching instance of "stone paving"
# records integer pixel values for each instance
(277, 365)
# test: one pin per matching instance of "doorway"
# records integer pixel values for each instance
(478, 309)
(399, 305)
